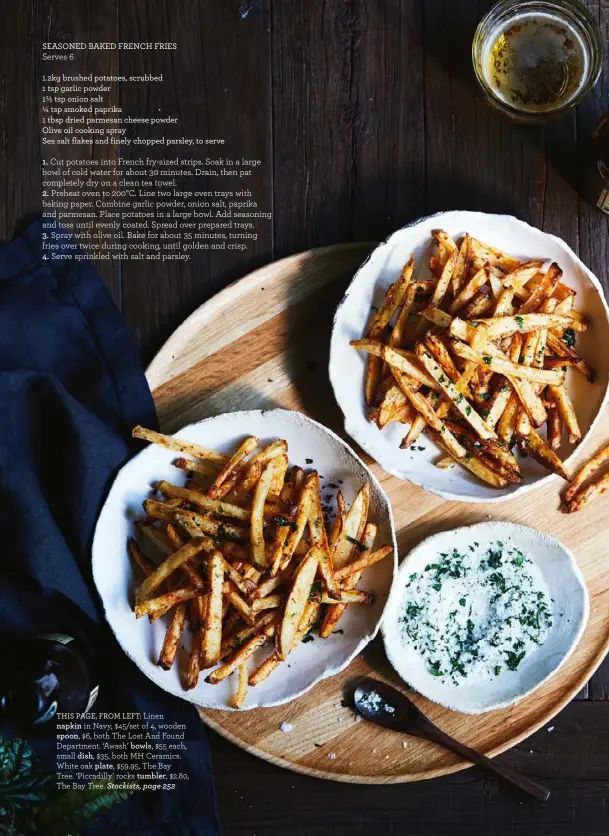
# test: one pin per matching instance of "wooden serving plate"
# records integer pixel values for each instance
(263, 342)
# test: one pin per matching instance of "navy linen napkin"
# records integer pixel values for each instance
(71, 389)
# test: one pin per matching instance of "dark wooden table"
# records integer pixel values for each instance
(366, 115)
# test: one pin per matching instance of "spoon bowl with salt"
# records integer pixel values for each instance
(384, 705)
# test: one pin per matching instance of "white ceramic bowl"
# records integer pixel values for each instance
(566, 587)
(347, 365)
(116, 578)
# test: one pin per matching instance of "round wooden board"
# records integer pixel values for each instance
(263, 342)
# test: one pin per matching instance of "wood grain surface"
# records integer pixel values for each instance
(366, 115)
(264, 342)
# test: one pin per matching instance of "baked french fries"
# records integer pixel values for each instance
(165, 569)
(298, 595)
(212, 635)
(172, 443)
(318, 535)
(586, 472)
(585, 495)
(536, 447)
(336, 611)
(378, 323)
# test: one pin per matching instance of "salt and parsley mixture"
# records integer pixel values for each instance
(477, 612)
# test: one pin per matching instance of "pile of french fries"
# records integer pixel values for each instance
(246, 559)
(475, 355)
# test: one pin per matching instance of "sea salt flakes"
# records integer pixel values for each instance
(286, 727)
(476, 612)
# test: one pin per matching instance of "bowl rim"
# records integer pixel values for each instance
(509, 527)
(371, 448)
(97, 561)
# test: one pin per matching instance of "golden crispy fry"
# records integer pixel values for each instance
(445, 279)
(393, 299)
(470, 289)
(247, 482)
(438, 317)
(193, 670)
(482, 304)
(344, 597)
(242, 607)
(138, 556)
(393, 407)
(227, 476)
(396, 338)
(276, 448)
(505, 326)
(496, 257)
(309, 617)
(584, 496)
(566, 411)
(213, 506)
(298, 595)
(462, 266)
(536, 447)
(239, 657)
(244, 585)
(504, 305)
(172, 443)
(543, 290)
(494, 449)
(588, 470)
(212, 637)
(554, 425)
(165, 569)
(472, 463)
(159, 606)
(445, 463)
(422, 405)
(504, 366)
(339, 521)
(335, 611)
(269, 602)
(277, 483)
(206, 527)
(318, 536)
(507, 423)
(257, 521)
(291, 545)
(442, 355)
(557, 347)
(498, 402)
(530, 400)
(404, 361)
(238, 699)
(459, 400)
(232, 642)
(415, 430)
(363, 562)
(172, 638)
(200, 467)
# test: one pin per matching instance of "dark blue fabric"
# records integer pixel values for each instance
(71, 389)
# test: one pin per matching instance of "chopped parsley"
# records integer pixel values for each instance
(568, 337)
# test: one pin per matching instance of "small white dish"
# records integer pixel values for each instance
(347, 365)
(570, 608)
(310, 445)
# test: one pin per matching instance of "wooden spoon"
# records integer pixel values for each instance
(381, 703)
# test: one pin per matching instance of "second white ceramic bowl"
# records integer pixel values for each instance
(347, 365)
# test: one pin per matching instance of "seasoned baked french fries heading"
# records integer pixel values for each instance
(247, 556)
(473, 349)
